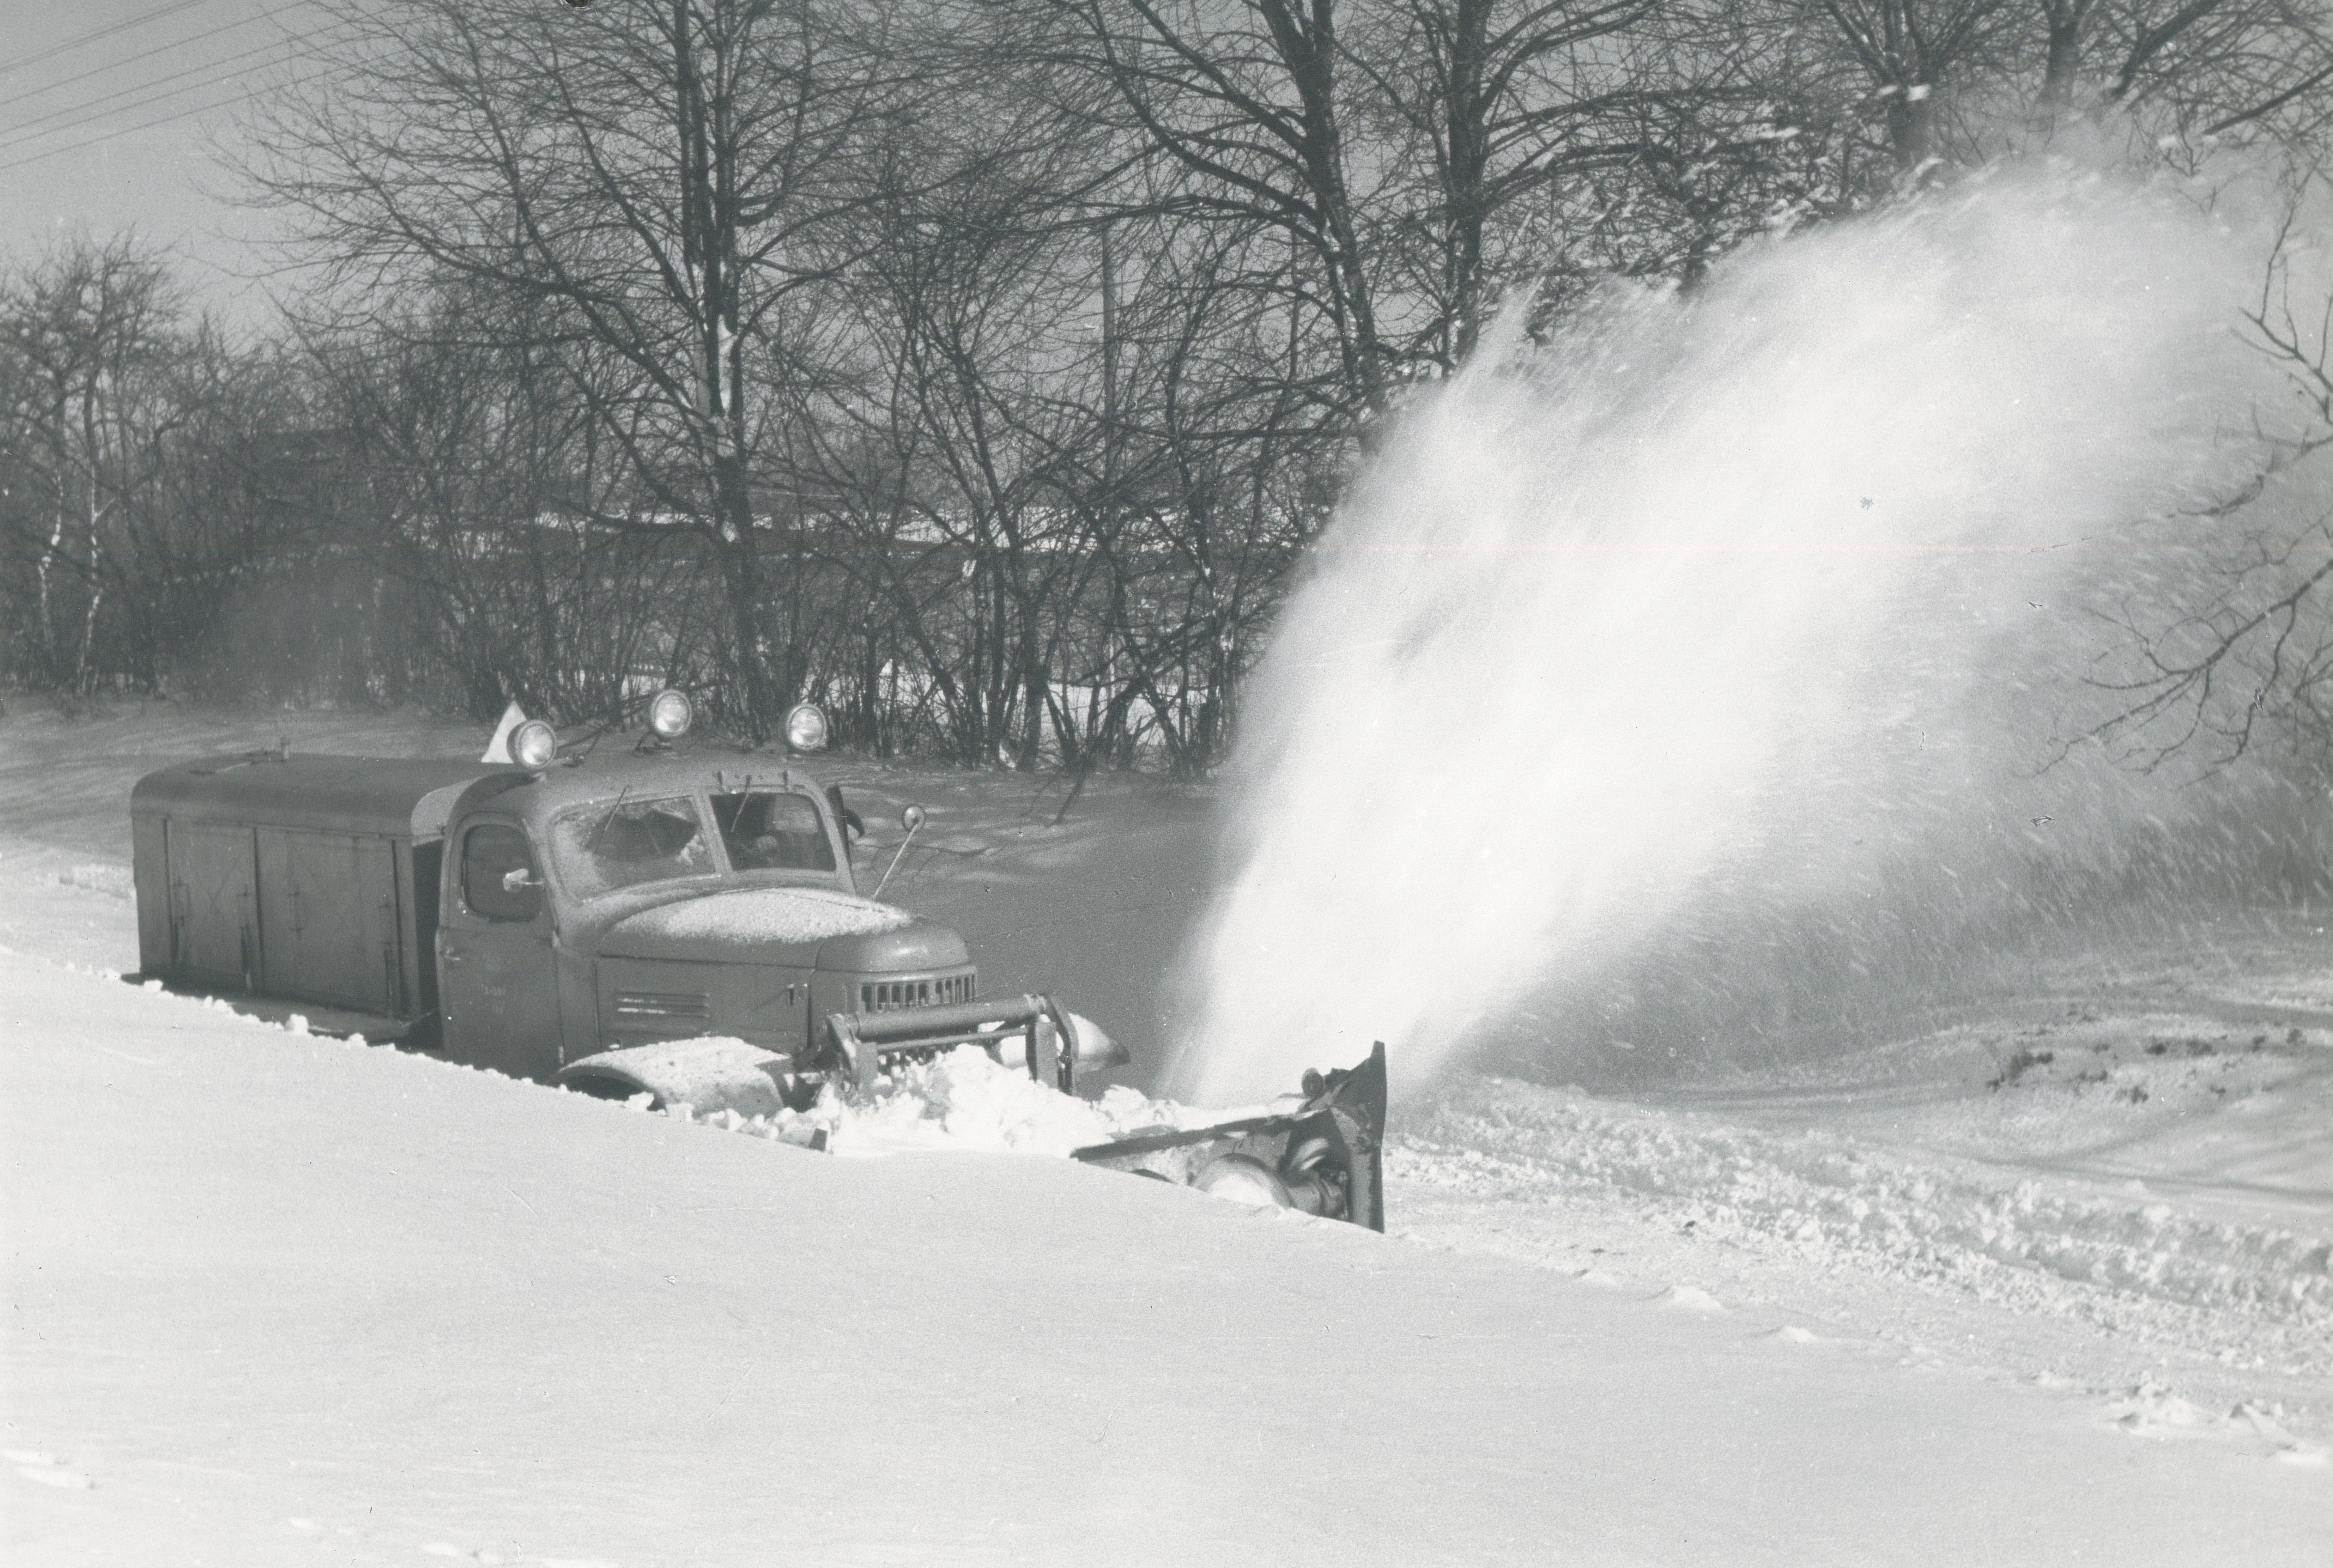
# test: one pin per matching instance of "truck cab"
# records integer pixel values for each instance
(659, 897)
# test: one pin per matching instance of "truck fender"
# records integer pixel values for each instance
(709, 1075)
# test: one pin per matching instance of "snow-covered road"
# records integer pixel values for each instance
(285, 1299)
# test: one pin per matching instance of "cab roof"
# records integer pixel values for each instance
(610, 771)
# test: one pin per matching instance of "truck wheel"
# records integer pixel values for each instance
(605, 1086)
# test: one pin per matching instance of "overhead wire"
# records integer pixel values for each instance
(144, 125)
(148, 53)
(89, 112)
(83, 113)
(156, 15)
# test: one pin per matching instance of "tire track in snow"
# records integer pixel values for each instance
(2038, 1242)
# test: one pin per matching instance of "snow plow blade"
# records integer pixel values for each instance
(1053, 1042)
(1325, 1157)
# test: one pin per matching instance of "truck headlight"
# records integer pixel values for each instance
(670, 713)
(806, 728)
(534, 744)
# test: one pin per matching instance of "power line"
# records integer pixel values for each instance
(13, 136)
(89, 113)
(149, 53)
(159, 12)
(147, 125)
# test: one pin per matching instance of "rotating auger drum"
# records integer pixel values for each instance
(1325, 1157)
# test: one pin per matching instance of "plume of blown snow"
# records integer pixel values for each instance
(1716, 591)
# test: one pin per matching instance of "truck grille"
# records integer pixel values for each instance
(662, 1007)
(886, 995)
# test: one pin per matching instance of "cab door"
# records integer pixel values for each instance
(497, 976)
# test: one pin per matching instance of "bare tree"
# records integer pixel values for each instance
(142, 480)
(471, 476)
(1504, 98)
(661, 179)
(2237, 659)
(86, 352)
(1944, 75)
(1250, 109)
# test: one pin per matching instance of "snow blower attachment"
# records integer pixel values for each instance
(1324, 1158)
(1053, 1042)
(709, 1075)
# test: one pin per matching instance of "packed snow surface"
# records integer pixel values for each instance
(759, 914)
(2242, 1275)
(280, 1298)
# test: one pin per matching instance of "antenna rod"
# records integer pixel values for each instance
(914, 826)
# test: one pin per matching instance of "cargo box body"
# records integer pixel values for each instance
(308, 878)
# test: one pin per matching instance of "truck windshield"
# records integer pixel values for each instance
(602, 848)
(765, 830)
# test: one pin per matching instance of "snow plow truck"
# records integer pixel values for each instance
(636, 918)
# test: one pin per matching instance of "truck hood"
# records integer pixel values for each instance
(799, 927)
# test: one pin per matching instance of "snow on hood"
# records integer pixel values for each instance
(768, 914)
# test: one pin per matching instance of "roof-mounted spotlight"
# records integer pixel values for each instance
(534, 744)
(670, 713)
(806, 728)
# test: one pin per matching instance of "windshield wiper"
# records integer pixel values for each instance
(744, 793)
(593, 843)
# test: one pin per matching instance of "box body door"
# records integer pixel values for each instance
(329, 917)
(214, 906)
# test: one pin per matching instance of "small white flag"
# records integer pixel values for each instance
(498, 749)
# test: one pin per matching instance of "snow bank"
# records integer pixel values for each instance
(963, 1100)
(278, 1299)
(966, 1099)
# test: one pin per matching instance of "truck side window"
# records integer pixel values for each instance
(490, 852)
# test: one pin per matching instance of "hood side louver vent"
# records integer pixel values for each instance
(662, 1007)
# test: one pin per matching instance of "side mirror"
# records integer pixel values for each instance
(911, 819)
(520, 880)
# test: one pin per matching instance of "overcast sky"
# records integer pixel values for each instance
(108, 112)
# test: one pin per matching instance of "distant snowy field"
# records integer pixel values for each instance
(2050, 1286)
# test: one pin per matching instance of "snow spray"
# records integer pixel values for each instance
(1718, 615)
